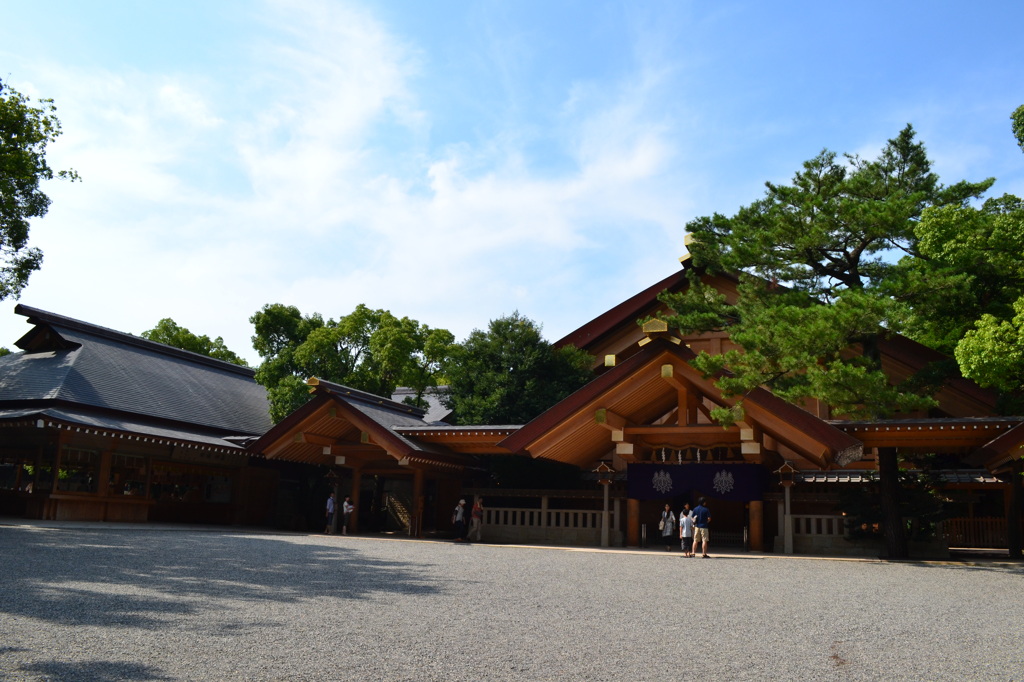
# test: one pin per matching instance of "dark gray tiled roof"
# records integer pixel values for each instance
(131, 376)
(103, 422)
(437, 412)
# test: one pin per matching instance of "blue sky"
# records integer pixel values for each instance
(452, 161)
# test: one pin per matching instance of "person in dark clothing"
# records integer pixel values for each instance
(701, 521)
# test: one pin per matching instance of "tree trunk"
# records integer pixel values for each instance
(892, 519)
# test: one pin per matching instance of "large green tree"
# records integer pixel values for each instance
(169, 332)
(370, 350)
(25, 131)
(509, 374)
(1018, 125)
(965, 287)
(816, 260)
(967, 266)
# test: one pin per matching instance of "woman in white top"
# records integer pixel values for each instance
(686, 530)
(668, 522)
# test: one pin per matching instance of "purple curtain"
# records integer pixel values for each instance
(738, 482)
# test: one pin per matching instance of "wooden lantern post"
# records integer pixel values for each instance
(604, 477)
(787, 478)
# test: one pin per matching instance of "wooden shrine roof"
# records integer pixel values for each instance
(645, 388)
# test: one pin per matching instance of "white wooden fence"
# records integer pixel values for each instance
(559, 526)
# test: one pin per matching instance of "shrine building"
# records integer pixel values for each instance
(102, 425)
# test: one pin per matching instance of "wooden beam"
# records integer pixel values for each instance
(610, 420)
(668, 373)
(313, 439)
(351, 449)
(670, 430)
(690, 399)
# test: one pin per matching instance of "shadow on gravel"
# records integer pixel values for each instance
(981, 567)
(94, 671)
(139, 579)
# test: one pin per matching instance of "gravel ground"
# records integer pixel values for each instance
(148, 604)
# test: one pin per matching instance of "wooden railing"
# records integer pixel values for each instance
(980, 532)
(546, 518)
(819, 524)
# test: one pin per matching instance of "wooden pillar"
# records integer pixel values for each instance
(632, 523)
(336, 489)
(416, 522)
(1014, 509)
(604, 515)
(757, 526)
(892, 517)
(787, 521)
(357, 483)
(617, 515)
(149, 477)
(57, 459)
(103, 482)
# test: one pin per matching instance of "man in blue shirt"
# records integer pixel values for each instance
(701, 519)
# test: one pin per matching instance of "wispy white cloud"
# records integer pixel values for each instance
(202, 208)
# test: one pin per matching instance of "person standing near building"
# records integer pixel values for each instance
(476, 519)
(459, 521)
(346, 514)
(668, 522)
(701, 519)
(329, 513)
(686, 530)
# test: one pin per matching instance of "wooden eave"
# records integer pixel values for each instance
(930, 435)
(315, 434)
(1001, 450)
(637, 390)
(468, 440)
(958, 397)
(328, 426)
(616, 332)
(598, 330)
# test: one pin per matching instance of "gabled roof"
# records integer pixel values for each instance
(625, 313)
(617, 332)
(637, 390)
(98, 375)
(380, 417)
(365, 429)
(958, 396)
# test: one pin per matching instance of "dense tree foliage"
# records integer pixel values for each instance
(25, 131)
(169, 332)
(369, 350)
(1018, 125)
(509, 374)
(968, 266)
(820, 283)
(816, 262)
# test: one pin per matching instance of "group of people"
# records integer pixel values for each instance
(466, 525)
(464, 532)
(692, 524)
(693, 528)
(346, 514)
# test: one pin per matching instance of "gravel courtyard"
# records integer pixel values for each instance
(80, 603)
